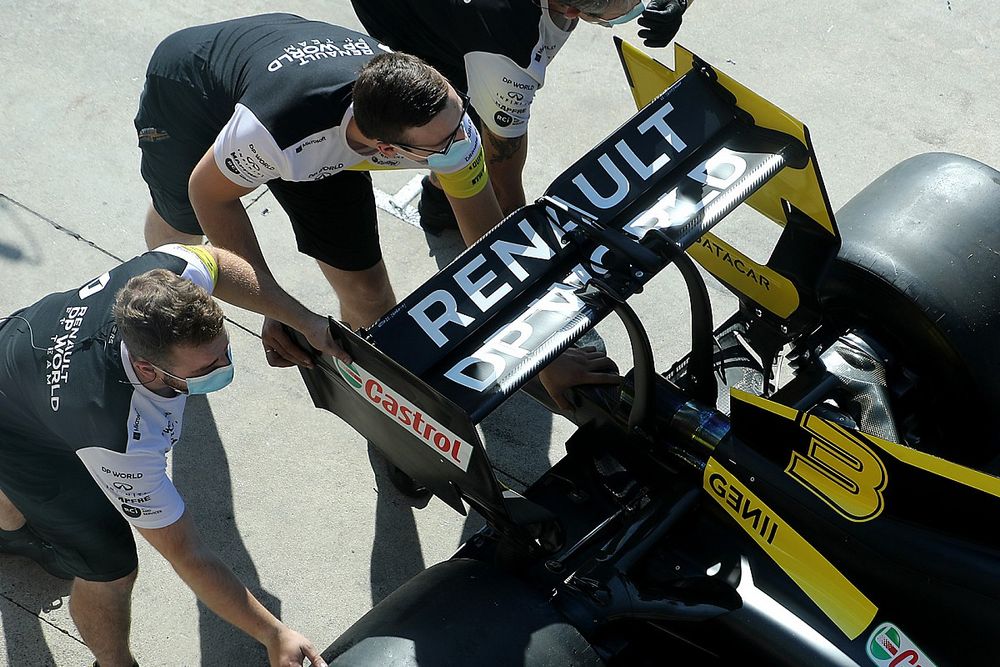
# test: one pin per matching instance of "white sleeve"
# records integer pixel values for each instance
(500, 92)
(201, 267)
(136, 484)
(246, 152)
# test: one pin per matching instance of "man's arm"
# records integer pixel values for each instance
(477, 214)
(505, 158)
(238, 283)
(216, 201)
(470, 191)
(220, 590)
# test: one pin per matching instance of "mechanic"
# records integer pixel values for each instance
(93, 389)
(269, 99)
(307, 108)
(498, 51)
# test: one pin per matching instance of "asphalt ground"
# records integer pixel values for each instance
(285, 493)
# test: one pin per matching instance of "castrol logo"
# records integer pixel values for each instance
(406, 415)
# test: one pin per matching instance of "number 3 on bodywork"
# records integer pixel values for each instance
(843, 471)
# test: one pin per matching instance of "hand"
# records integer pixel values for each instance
(289, 649)
(576, 366)
(281, 351)
(661, 21)
(320, 337)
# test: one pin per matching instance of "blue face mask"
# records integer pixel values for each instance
(451, 160)
(209, 382)
(625, 18)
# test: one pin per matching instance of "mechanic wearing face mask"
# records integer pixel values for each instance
(498, 51)
(308, 109)
(92, 392)
(269, 100)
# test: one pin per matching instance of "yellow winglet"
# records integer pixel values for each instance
(803, 188)
(797, 186)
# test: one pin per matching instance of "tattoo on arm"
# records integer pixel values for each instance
(503, 148)
(506, 158)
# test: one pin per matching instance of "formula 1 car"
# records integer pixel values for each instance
(811, 485)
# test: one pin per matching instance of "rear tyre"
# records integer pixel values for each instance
(463, 612)
(920, 269)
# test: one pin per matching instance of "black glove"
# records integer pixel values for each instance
(661, 21)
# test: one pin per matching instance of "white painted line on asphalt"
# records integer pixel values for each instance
(408, 191)
(398, 204)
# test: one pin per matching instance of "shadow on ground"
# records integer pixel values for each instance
(518, 456)
(27, 593)
(201, 474)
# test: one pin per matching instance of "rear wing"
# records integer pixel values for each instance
(451, 352)
(794, 198)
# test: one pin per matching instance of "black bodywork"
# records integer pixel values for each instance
(711, 511)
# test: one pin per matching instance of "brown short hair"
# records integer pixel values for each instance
(395, 92)
(158, 310)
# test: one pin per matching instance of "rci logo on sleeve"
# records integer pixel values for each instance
(889, 647)
(130, 511)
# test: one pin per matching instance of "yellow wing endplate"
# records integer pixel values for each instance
(802, 188)
(648, 77)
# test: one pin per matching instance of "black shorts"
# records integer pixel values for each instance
(333, 219)
(64, 506)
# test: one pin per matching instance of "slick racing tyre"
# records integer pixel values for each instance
(463, 612)
(919, 268)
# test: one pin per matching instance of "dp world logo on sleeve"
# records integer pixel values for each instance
(889, 647)
(349, 373)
